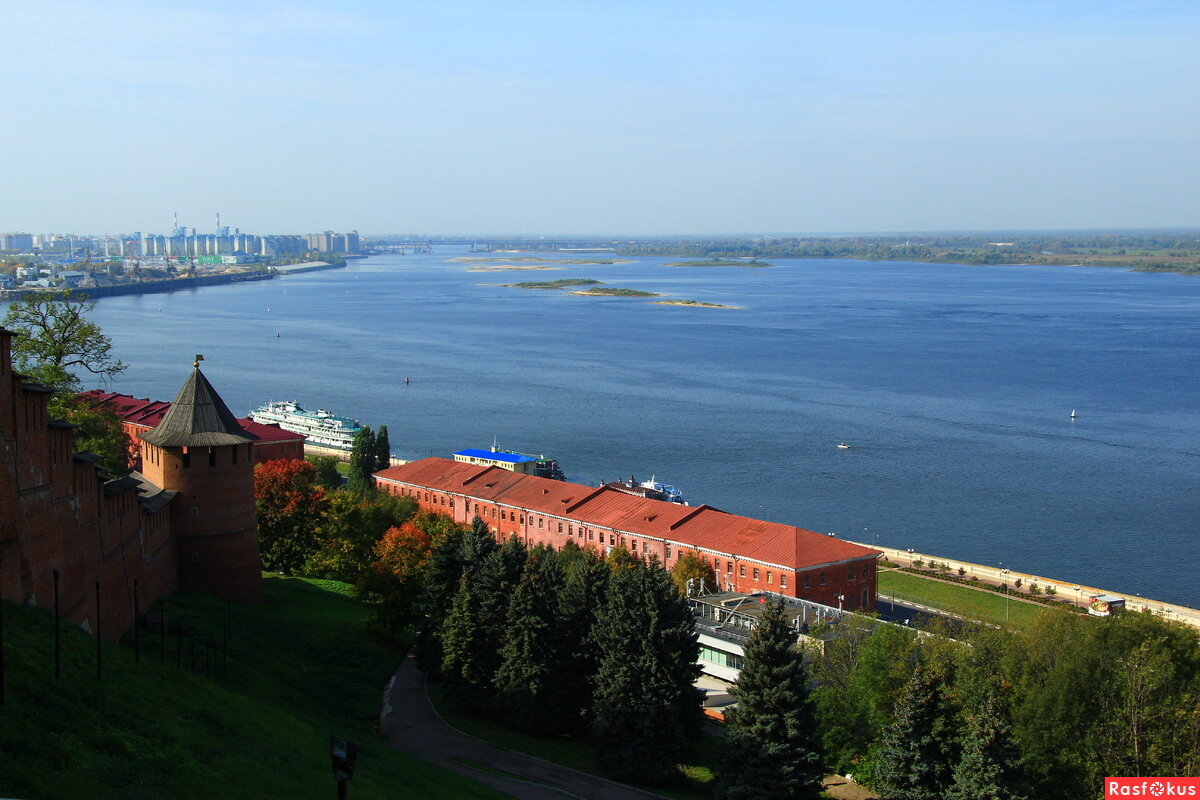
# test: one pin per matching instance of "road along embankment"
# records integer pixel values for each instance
(1073, 593)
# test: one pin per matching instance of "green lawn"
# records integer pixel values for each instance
(695, 779)
(972, 603)
(301, 667)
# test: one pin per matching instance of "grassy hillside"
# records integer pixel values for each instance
(300, 668)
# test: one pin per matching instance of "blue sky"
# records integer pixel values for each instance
(600, 117)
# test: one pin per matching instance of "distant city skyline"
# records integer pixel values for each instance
(667, 118)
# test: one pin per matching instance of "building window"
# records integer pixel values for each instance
(808, 581)
(589, 536)
(612, 538)
(560, 527)
(503, 514)
(741, 570)
(633, 546)
(866, 598)
(540, 521)
(821, 578)
(770, 577)
(728, 567)
(668, 551)
(782, 580)
(866, 570)
(850, 572)
(570, 530)
(522, 519)
(756, 573)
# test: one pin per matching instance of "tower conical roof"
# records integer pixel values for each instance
(198, 417)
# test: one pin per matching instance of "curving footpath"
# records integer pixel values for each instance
(409, 722)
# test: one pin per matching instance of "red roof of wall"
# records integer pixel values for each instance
(702, 526)
(148, 413)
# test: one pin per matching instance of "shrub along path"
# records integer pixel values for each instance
(409, 722)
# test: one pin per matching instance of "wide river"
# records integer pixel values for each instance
(953, 385)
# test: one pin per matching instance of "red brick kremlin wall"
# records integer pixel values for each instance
(59, 511)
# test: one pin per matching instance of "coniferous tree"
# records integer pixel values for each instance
(362, 461)
(646, 711)
(383, 449)
(468, 681)
(913, 762)
(440, 581)
(529, 679)
(584, 587)
(494, 581)
(990, 766)
(771, 746)
(477, 543)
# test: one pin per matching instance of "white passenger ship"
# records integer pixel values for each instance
(321, 427)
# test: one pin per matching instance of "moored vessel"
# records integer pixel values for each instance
(321, 427)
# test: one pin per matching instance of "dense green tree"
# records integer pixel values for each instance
(771, 742)
(362, 462)
(916, 753)
(646, 710)
(585, 582)
(383, 450)
(98, 430)
(693, 575)
(990, 765)
(353, 526)
(327, 472)
(477, 543)
(861, 674)
(530, 679)
(444, 567)
(468, 680)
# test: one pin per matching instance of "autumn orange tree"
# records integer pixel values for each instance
(395, 579)
(291, 509)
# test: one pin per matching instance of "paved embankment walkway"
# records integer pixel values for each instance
(1074, 593)
(410, 723)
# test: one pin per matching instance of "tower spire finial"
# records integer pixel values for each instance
(196, 363)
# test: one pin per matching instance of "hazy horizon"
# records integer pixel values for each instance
(661, 119)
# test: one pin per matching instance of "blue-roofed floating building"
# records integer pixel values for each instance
(521, 463)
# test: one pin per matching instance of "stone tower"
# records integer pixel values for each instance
(201, 452)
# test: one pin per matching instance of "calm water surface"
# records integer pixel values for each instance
(953, 384)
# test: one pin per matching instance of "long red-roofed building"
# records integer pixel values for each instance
(748, 555)
(139, 415)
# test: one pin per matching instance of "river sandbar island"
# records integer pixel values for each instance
(693, 304)
(719, 262)
(564, 283)
(614, 291)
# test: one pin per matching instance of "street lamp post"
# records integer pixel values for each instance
(343, 754)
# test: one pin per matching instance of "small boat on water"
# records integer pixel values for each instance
(843, 446)
(1072, 413)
